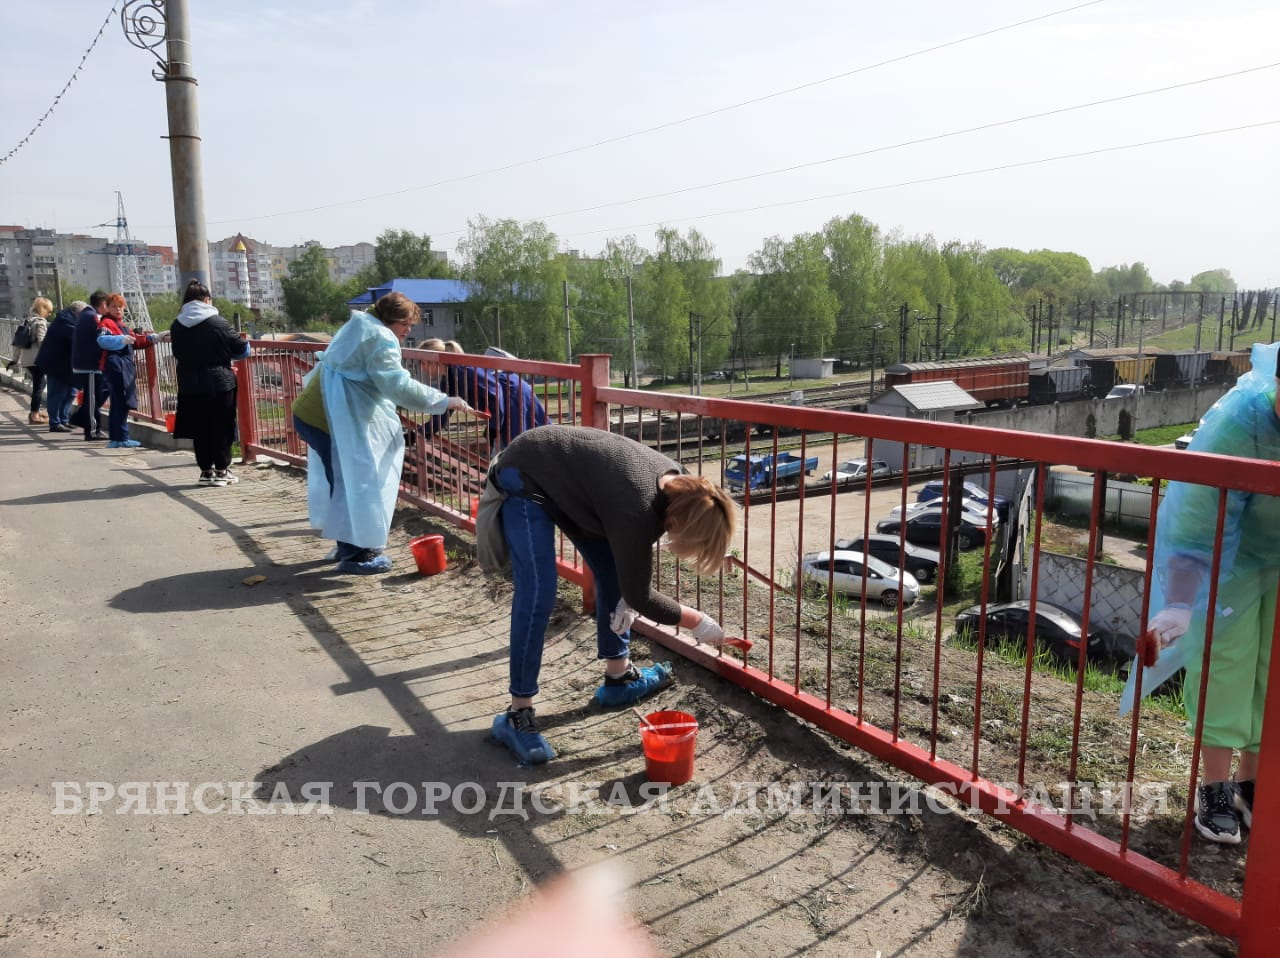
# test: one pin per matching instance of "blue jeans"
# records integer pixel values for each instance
(322, 443)
(530, 536)
(61, 395)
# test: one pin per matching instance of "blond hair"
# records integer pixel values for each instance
(700, 521)
(440, 346)
(42, 307)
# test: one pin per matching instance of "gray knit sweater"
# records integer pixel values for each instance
(603, 486)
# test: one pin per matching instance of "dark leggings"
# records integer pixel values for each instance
(37, 387)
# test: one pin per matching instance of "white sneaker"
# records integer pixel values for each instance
(224, 477)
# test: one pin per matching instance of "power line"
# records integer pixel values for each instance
(905, 143)
(74, 73)
(670, 123)
(927, 179)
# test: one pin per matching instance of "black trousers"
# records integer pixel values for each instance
(37, 387)
(209, 421)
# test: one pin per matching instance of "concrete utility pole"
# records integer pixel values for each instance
(631, 325)
(143, 30)
(568, 338)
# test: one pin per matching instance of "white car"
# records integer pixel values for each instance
(1125, 390)
(843, 572)
(855, 470)
(972, 511)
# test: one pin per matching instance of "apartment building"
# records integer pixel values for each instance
(32, 261)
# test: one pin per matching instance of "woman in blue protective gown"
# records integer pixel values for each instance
(347, 417)
(1245, 422)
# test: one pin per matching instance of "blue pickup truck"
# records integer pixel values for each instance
(761, 472)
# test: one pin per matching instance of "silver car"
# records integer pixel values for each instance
(855, 470)
(844, 572)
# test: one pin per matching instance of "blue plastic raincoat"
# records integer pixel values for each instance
(1241, 423)
(363, 383)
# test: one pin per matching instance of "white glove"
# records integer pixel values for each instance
(458, 404)
(1169, 623)
(623, 616)
(709, 631)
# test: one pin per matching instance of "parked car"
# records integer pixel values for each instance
(924, 528)
(843, 571)
(974, 495)
(855, 470)
(1125, 390)
(922, 563)
(1056, 630)
(1184, 440)
(974, 512)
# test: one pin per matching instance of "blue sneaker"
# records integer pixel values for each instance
(633, 686)
(123, 444)
(518, 731)
(365, 562)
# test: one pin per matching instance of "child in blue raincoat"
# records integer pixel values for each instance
(347, 416)
(1245, 422)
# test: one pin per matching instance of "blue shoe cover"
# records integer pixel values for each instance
(123, 444)
(518, 731)
(378, 562)
(341, 552)
(646, 682)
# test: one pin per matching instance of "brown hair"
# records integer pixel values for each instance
(700, 521)
(397, 308)
(114, 299)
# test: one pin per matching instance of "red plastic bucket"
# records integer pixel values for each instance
(668, 746)
(428, 553)
(169, 422)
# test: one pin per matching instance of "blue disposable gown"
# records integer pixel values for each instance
(1241, 423)
(363, 383)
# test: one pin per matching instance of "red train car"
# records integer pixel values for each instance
(994, 380)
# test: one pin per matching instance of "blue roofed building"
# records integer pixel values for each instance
(442, 302)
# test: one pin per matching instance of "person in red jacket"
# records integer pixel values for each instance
(117, 342)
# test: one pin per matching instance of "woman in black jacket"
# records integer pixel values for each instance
(204, 345)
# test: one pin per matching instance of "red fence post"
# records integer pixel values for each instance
(1259, 916)
(153, 383)
(595, 375)
(245, 410)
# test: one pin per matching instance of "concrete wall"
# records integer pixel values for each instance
(1115, 598)
(1167, 408)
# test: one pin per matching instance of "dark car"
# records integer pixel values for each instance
(924, 528)
(920, 562)
(975, 495)
(1056, 630)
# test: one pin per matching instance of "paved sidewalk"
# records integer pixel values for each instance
(155, 631)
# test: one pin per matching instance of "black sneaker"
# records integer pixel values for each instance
(206, 477)
(1244, 802)
(1216, 815)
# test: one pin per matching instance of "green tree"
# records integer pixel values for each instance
(791, 299)
(401, 253)
(1219, 281)
(854, 262)
(981, 313)
(515, 279)
(310, 296)
(677, 283)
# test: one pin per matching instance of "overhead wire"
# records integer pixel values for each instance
(931, 179)
(58, 99)
(905, 143)
(669, 123)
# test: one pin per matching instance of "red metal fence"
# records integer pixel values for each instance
(982, 729)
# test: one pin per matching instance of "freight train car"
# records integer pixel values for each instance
(1225, 368)
(996, 380)
(1179, 370)
(1103, 374)
(1057, 384)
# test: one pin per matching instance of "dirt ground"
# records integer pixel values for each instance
(393, 681)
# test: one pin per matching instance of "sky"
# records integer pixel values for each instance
(333, 121)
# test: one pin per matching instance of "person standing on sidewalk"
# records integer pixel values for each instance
(204, 346)
(613, 498)
(54, 360)
(117, 342)
(86, 366)
(346, 414)
(38, 324)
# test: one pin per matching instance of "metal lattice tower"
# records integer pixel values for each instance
(125, 275)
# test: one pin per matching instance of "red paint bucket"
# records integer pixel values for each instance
(169, 422)
(668, 746)
(428, 553)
